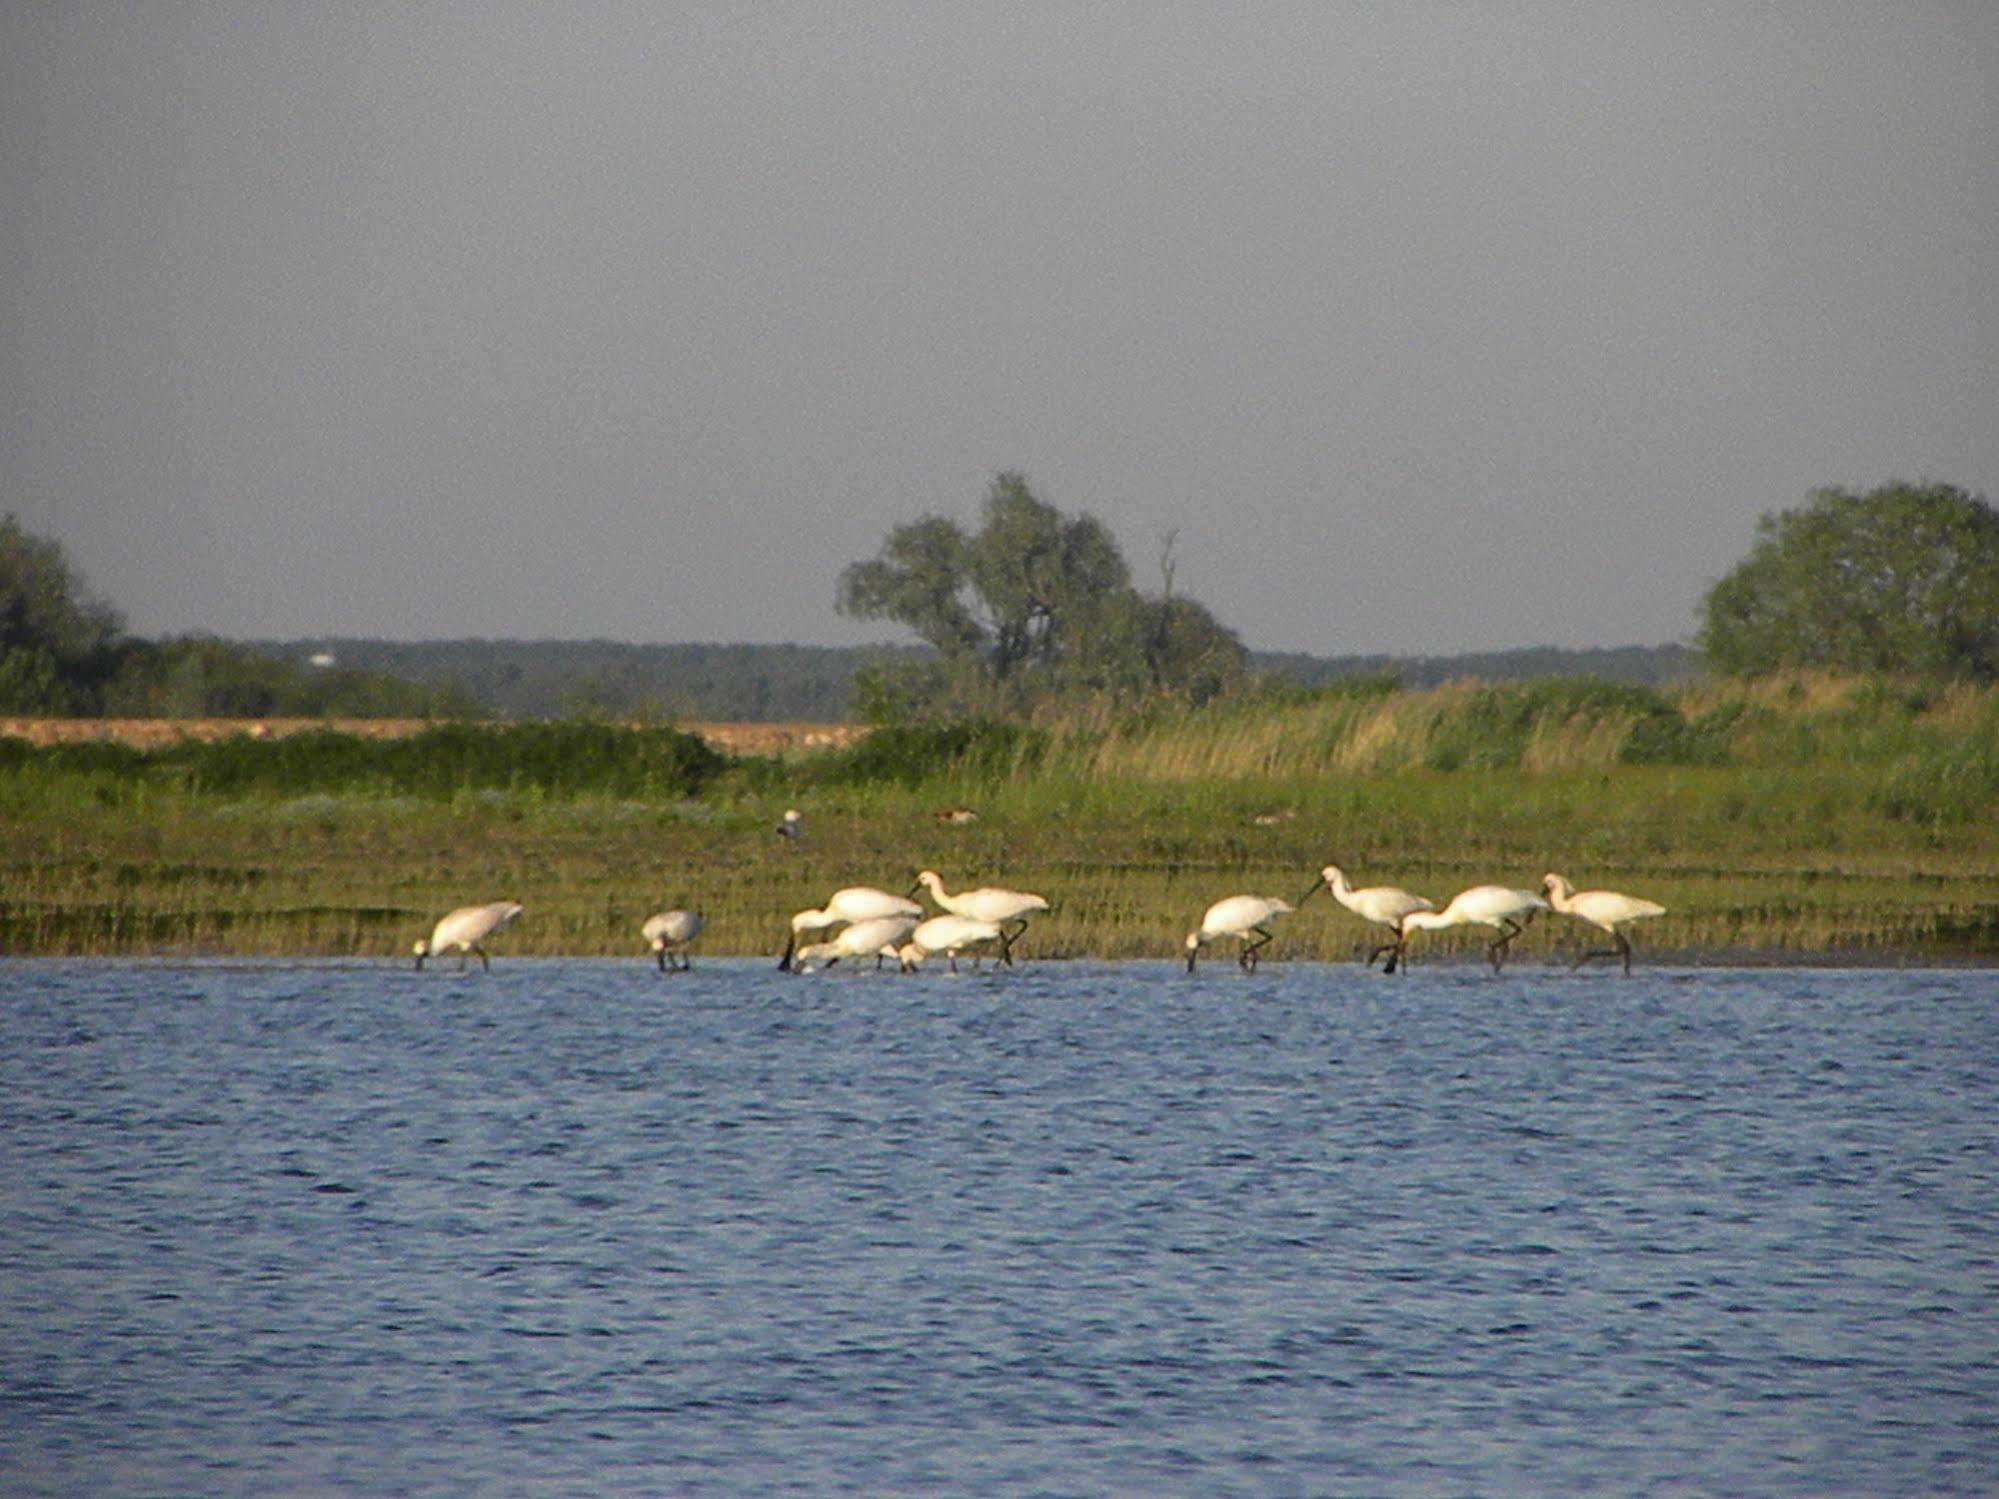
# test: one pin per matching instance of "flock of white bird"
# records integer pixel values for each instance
(878, 924)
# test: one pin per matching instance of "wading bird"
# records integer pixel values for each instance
(1238, 916)
(464, 929)
(1606, 909)
(878, 937)
(1506, 911)
(1006, 909)
(668, 934)
(1384, 905)
(949, 935)
(854, 903)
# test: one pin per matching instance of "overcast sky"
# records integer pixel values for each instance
(1425, 327)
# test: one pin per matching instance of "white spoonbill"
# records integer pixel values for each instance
(464, 929)
(949, 935)
(877, 937)
(1006, 909)
(854, 903)
(668, 934)
(1606, 909)
(1505, 910)
(1238, 916)
(1384, 905)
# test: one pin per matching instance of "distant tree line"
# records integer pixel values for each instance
(65, 653)
(1903, 579)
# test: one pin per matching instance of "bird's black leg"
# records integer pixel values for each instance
(1252, 950)
(1622, 950)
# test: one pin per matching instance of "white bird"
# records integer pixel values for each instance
(1505, 910)
(854, 903)
(668, 934)
(1606, 909)
(1006, 909)
(1238, 916)
(788, 825)
(877, 937)
(949, 935)
(1384, 905)
(464, 929)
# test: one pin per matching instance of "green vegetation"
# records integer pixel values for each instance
(1904, 578)
(1800, 814)
(1030, 605)
(64, 653)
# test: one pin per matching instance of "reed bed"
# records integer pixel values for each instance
(1820, 818)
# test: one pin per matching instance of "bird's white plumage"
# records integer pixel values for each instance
(879, 936)
(1385, 905)
(669, 932)
(949, 935)
(1608, 909)
(989, 903)
(1481, 905)
(1604, 909)
(1237, 916)
(855, 903)
(1506, 910)
(466, 927)
(852, 903)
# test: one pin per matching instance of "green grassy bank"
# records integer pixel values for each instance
(1806, 817)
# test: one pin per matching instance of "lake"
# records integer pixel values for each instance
(581, 1227)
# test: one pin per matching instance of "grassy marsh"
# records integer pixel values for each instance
(1807, 816)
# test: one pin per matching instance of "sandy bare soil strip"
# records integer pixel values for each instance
(150, 733)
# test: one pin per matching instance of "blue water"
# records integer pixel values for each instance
(579, 1227)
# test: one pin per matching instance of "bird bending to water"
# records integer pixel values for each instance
(877, 937)
(854, 903)
(464, 929)
(1605, 909)
(1505, 910)
(1238, 916)
(949, 935)
(668, 934)
(1384, 905)
(1006, 909)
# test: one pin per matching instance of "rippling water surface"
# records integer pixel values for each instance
(584, 1228)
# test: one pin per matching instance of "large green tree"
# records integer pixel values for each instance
(57, 644)
(1033, 599)
(1903, 578)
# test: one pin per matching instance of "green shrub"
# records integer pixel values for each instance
(1944, 783)
(1491, 729)
(1668, 738)
(911, 754)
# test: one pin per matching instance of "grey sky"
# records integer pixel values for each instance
(1426, 327)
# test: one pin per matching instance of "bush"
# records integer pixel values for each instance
(911, 754)
(1491, 729)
